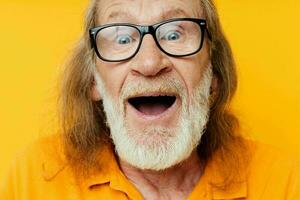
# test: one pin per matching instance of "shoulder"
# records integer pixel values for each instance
(41, 171)
(266, 156)
(45, 160)
(270, 173)
(273, 171)
(33, 169)
(44, 156)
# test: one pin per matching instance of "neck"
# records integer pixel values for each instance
(176, 182)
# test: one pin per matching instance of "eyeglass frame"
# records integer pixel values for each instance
(150, 29)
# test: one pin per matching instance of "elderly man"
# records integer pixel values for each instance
(145, 115)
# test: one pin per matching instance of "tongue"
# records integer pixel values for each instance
(152, 109)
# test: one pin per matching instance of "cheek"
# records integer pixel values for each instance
(113, 76)
(191, 71)
(198, 66)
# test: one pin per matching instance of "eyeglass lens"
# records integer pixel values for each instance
(122, 41)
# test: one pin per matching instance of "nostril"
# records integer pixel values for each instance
(166, 69)
(159, 70)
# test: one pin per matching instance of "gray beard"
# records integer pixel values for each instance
(174, 144)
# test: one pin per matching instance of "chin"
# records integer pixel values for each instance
(157, 127)
(157, 146)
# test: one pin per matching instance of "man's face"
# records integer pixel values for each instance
(156, 105)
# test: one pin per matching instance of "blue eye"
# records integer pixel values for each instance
(124, 39)
(172, 36)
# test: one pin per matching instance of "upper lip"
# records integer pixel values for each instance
(152, 94)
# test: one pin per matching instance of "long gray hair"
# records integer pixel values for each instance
(82, 121)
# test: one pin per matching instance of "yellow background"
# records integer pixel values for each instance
(36, 36)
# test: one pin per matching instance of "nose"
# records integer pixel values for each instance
(150, 60)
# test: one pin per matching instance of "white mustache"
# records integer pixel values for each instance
(164, 85)
(176, 143)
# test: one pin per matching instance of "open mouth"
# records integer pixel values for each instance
(152, 105)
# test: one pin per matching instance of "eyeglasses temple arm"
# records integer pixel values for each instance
(208, 34)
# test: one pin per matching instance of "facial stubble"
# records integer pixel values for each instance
(171, 145)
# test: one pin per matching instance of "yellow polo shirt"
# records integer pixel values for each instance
(40, 173)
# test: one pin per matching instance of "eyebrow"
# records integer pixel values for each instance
(115, 15)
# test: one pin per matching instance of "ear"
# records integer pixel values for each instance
(96, 96)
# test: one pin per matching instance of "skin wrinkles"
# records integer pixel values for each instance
(118, 69)
(150, 61)
(116, 12)
(178, 181)
(158, 184)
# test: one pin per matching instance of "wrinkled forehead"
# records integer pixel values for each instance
(146, 11)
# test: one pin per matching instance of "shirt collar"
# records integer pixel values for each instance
(53, 161)
(108, 167)
(237, 189)
(111, 173)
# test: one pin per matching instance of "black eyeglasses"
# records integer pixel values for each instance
(175, 37)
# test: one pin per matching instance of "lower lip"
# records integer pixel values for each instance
(167, 112)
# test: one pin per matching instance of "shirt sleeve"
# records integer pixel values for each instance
(19, 179)
(8, 184)
(293, 187)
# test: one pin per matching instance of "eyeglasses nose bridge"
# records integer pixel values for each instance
(147, 30)
(144, 30)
